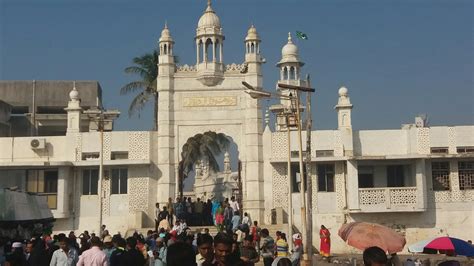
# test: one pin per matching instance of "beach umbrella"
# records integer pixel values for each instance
(362, 235)
(451, 244)
(419, 246)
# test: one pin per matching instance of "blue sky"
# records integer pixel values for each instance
(397, 58)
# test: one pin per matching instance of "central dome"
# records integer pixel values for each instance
(209, 19)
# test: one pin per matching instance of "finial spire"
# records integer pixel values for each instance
(208, 2)
(267, 117)
(166, 24)
(289, 38)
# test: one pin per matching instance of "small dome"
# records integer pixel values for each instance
(343, 91)
(290, 49)
(209, 19)
(289, 53)
(74, 94)
(252, 34)
(165, 35)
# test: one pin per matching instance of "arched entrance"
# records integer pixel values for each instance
(209, 164)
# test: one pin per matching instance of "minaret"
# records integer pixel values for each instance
(166, 62)
(74, 111)
(344, 124)
(290, 63)
(253, 58)
(344, 109)
(290, 66)
(209, 48)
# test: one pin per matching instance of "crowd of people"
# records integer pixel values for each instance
(239, 241)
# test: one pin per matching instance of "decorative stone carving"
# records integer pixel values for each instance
(107, 144)
(280, 186)
(139, 145)
(78, 147)
(279, 145)
(238, 68)
(423, 137)
(210, 101)
(227, 162)
(340, 185)
(186, 68)
(138, 194)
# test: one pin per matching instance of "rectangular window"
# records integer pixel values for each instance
(469, 149)
(119, 181)
(296, 178)
(439, 150)
(44, 182)
(440, 175)
(326, 177)
(366, 176)
(466, 175)
(324, 153)
(90, 181)
(395, 176)
(119, 155)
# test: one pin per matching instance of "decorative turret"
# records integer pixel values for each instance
(253, 58)
(166, 44)
(227, 168)
(74, 111)
(344, 109)
(290, 63)
(209, 48)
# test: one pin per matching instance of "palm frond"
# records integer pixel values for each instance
(133, 86)
(138, 103)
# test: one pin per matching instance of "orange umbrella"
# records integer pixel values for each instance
(363, 235)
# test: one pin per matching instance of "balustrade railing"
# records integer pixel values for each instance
(387, 198)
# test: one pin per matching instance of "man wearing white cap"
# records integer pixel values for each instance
(16, 257)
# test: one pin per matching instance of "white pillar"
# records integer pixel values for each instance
(197, 52)
(214, 50)
(204, 52)
(221, 51)
(421, 192)
(352, 185)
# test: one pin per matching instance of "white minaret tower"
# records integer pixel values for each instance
(290, 66)
(344, 109)
(166, 62)
(290, 63)
(253, 59)
(74, 111)
(209, 48)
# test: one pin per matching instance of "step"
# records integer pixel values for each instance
(272, 228)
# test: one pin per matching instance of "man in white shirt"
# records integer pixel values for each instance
(65, 255)
(234, 204)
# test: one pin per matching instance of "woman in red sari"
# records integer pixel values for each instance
(325, 246)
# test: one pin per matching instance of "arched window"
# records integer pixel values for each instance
(252, 48)
(247, 48)
(285, 73)
(164, 49)
(208, 55)
(292, 73)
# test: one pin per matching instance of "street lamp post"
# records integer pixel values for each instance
(254, 93)
(103, 120)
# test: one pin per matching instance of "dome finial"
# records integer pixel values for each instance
(208, 2)
(74, 94)
(289, 38)
(166, 24)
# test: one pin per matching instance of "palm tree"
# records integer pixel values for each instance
(146, 66)
(201, 147)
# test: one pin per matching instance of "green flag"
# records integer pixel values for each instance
(301, 35)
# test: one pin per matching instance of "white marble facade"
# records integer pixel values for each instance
(417, 179)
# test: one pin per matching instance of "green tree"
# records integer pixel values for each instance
(201, 147)
(146, 67)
